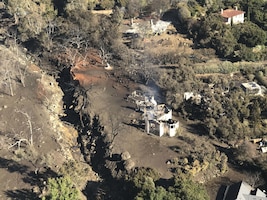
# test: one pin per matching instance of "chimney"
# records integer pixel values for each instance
(221, 11)
(236, 8)
(147, 125)
(151, 22)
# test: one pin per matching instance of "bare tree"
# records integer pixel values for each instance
(254, 179)
(8, 81)
(18, 142)
(77, 40)
(29, 124)
(22, 74)
(49, 31)
(72, 55)
(104, 55)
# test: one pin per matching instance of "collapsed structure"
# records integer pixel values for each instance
(157, 117)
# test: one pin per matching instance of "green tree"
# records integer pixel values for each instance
(255, 113)
(183, 12)
(61, 189)
(209, 29)
(225, 43)
(243, 52)
(249, 34)
(186, 189)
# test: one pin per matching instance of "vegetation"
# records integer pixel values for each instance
(61, 188)
(183, 187)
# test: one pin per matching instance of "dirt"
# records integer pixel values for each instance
(34, 142)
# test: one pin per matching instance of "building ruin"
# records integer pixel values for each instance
(157, 117)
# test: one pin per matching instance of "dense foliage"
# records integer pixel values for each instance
(183, 187)
(61, 188)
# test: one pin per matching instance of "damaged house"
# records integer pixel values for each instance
(157, 117)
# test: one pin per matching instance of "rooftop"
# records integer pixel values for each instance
(228, 13)
(251, 85)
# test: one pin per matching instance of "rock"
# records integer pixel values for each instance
(129, 164)
(125, 155)
(112, 166)
(36, 189)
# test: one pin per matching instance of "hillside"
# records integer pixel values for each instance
(69, 126)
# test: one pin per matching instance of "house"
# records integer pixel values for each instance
(252, 88)
(240, 191)
(233, 16)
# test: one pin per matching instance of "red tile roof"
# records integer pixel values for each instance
(231, 13)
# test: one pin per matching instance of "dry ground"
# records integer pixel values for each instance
(107, 99)
(35, 106)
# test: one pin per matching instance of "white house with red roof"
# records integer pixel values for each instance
(233, 16)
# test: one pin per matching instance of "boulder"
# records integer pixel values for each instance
(129, 164)
(125, 155)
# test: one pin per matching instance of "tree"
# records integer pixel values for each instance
(255, 114)
(159, 6)
(249, 34)
(31, 17)
(107, 4)
(61, 188)
(134, 7)
(145, 182)
(209, 28)
(29, 124)
(79, 5)
(243, 52)
(225, 43)
(183, 12)
(185, 188)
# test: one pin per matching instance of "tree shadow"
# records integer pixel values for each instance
(34, 178)
(13, 166)
(139, 126)
(166, 183)
(60, 6)
(130, 108)
(168, 67)
(37, 178)
(91, 189)
(176, 149)
(172, 15)
(197, 128)
(22, 194)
